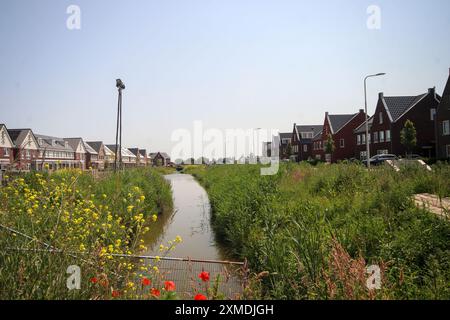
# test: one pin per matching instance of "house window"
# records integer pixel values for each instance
(6, 152)
(381, 136)
(446, 127)
(28, 154)
(388, 135)
(358, 139)
(375, 137)
(382, 152)
(363, 139)
(342, 143)
(432, 114)
(447, 147)
(305, 148)
(363, 155)
(380, 117)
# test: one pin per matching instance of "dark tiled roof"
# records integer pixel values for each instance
(310, 128)
(397, 106)
(89, 149)
(285, 135)
(337, 121)
(18, 135)
(96, 145)
(53, 143)
(165, 155)
(134, 151)
(143, 152)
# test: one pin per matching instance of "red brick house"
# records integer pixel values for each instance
(302, 141)
(443, 124)
(78, 146)
(26, 149)
(389, 119)
(54, 153)
(360, 137)
(143, 157)
(341, 127)
(6, 148)
(98, 147)
(285, 142)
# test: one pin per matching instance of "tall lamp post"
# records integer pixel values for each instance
(367, 116)
(118, 160)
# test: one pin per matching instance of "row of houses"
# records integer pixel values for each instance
(21, 149)
(428, 111)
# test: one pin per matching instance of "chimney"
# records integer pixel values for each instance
(432, 91)
(381, 95)
(361, 110)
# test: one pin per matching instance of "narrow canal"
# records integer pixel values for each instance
(190, 220)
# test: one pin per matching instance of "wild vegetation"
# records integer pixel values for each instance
(50, 222)
(310, 232)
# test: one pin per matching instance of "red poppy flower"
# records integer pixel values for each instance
(169, 285)
(146, 281)
(115, 293)
(200, 297)
(204, 276)
(155, 292)
(93, 280)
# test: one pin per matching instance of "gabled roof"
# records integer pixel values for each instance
(397, 106)
(285, 135)
(7, 134)
(162, 154)
(338, 121)
(165, 155)
(18, 136)
(108, 151)
(143, 152)
(74, 143)
(124, 152)
(134, 151)
(316, 129)
(89, 149)
(96, 145)
(53, 143)
(362, 127)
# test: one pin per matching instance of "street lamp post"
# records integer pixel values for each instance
(118, 160)
(367, 116)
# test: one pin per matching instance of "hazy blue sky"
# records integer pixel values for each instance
(229, 63)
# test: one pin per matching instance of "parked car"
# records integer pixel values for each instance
(380, 159)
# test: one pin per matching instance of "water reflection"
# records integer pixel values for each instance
(190, 220)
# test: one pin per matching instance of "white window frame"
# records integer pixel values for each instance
(358, 139)
(381, 136)
(375, 137)
(446, 127)
(388, 135)
(6, 152)
(447, 148)
(432, 114)
(305, 148)
(341, 143)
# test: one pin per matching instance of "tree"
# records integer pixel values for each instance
(408, 136)
(329, 145)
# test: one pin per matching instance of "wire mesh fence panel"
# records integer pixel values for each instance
(185, 274)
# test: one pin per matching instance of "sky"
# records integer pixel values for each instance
(227, 63)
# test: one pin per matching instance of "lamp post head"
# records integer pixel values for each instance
(119, 84)
(380, 74)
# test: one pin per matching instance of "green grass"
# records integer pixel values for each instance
(315, 228)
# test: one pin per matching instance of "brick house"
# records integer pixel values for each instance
(302, 141)
(341, 127)
(443, 124)
(26, 149)
(389, 119)
(285, 140)
(360, 137)
(78, 146)
(128, 158)
(98, 147)
(159, 159)
(92, 157)
(6, 148)
(317, 147)
(55, 153)
(140, 160)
